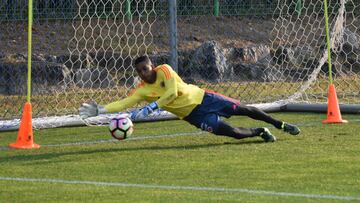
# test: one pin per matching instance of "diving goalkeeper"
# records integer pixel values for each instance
(163, 88)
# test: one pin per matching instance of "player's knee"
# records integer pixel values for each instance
(251, 109)
(210, 123)
(208, 127)
(245, 110)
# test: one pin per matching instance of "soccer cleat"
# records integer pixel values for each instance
(267, 136)
(289, 128)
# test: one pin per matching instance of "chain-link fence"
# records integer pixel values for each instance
(252, 50)
(67, 9)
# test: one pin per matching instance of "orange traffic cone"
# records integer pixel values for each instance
(25, 134)
(333, 111)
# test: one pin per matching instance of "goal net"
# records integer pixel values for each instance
(300, 50)
(271, 52)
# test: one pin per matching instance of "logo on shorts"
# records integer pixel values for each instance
(205, 127)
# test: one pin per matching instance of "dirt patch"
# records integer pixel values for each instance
(57, 37)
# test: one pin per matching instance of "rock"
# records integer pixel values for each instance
(351, 41)
(93, 78)
(160, 58)
(37, 57)
(209, 63)
(283, 55)
(111, 61)
(350, 66)
(256, 72)
(251, 54)
(46, 78)
(75, 62)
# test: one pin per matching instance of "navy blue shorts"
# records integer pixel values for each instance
(207, 114)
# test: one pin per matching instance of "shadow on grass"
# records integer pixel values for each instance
(47, 156)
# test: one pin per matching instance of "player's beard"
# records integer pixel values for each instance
(150, 77)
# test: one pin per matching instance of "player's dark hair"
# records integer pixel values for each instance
(141, 59)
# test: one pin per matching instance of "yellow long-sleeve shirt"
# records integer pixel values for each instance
(169, 91)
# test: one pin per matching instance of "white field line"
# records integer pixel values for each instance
(190, 188)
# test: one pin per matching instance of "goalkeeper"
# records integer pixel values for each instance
(163, 88)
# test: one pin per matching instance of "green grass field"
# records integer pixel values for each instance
(172, 161)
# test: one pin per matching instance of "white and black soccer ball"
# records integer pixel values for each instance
(121, 127)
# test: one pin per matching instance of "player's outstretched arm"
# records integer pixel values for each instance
(143, 112)
(91, 109)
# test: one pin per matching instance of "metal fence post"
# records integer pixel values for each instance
(173, 35)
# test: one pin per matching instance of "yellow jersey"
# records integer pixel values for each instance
(169, 91)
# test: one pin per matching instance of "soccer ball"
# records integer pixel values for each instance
(121, 127)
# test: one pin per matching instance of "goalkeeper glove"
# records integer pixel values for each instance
(145, 111)
(91, 109)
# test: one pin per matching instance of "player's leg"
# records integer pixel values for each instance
(226, 107)
(258, 114)
(211, 122)
(224, 129)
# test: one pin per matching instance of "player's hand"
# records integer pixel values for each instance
(90, 109)
(134, 114)
(145, 111)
